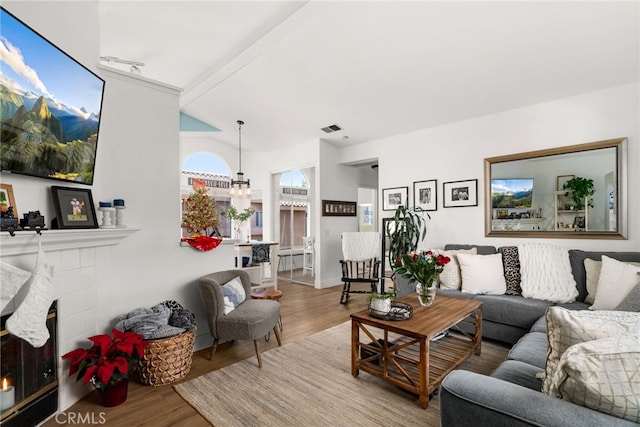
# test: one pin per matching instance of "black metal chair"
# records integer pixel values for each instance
(360, 265)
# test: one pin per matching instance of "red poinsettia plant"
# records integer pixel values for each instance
(422, 267)
(107, 362)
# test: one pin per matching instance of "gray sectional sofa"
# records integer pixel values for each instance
(511, 396)
(506, 318)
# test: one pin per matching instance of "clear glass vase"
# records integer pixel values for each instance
(426, 294)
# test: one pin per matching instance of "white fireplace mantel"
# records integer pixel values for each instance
(26, 242)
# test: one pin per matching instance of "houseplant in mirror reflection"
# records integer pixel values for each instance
(580, 189)
(106, 364)
(421, 268)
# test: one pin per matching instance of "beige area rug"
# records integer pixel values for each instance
(309, 383)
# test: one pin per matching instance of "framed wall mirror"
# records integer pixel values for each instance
(524, 194)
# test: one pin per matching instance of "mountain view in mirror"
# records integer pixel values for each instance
(577, 191)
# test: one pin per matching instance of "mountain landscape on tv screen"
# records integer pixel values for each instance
(50, 107)
(46, 138)
(511, 193)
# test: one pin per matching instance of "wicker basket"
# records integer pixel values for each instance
(166, 360)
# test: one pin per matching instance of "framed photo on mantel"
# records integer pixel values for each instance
(74, 208)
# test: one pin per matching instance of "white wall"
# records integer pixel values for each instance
(137, 160)
(456, 151)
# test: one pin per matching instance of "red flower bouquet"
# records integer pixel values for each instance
(421, 267)
(107, 362)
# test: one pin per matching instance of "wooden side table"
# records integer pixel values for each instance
(272, 294)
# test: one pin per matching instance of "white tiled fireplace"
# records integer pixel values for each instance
(82, 260)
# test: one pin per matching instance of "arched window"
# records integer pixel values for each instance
(216, 175)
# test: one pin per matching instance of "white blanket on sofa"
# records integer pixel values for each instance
(546, 273)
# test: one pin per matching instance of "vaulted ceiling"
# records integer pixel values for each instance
(375, 68)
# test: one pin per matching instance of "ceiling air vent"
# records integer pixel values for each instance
(331, 128)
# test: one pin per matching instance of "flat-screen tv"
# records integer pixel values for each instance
(514, 193)
(50, 107)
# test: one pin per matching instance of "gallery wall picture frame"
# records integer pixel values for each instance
(393, 198)
(73, 207)
(459, 194)
(561, 180)
(425, 195)
(6, 197)
(338, 208)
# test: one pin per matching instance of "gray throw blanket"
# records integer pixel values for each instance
(144, 321)
(163, 320)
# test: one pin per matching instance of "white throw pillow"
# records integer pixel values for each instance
(601, 375)
(450, 277)
(482, 274)
(616, 280)
(593, 268)
(233, 293)
(546, 273)
(568, 327)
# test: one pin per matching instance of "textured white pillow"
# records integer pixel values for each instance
(450, 277)
(546, 273)
(616, 280)
(601, 375)
(482, 274)
(568, 327)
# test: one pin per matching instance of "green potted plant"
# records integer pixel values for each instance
(381, 302)
(405, 232)
(578, 189)
(239, 217)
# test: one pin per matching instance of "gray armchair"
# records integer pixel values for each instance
(252, 320)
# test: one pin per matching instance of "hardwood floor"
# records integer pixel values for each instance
(305, 311)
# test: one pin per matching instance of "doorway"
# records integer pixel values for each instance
(293, 215)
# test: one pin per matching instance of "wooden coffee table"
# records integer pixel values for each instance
(404, 352)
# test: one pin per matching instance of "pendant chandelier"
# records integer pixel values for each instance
(240, 187)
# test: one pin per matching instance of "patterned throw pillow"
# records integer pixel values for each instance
(511, 266)
(568, 327)
(601, 375)
(450, 277)
(234, 294)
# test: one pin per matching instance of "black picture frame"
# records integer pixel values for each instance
(425, 195)
(579, 222)
(73, 207)
(460, 193)
(338, 208)
(392, 198)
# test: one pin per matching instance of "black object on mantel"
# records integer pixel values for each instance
(8, 222)
(33, 219)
